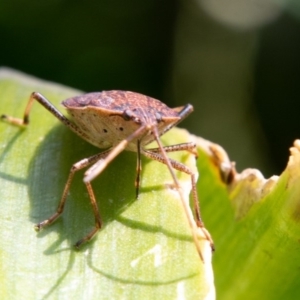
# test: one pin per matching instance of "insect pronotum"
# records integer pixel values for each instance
(116, 121)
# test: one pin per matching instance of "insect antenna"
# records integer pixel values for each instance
(182, 114)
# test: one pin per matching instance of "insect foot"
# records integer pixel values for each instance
(116, 121)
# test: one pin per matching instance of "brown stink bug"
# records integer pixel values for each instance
(116, 121)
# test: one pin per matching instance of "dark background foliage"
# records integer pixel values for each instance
(236, 62)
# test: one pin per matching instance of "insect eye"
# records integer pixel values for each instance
(127, 114)
(158, 117)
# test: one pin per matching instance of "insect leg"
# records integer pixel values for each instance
(183, 168)
(100, 165)
(50, 107)
(98, 221)
(185, 206)
(190, 147)
(138, 170)
(76, 167)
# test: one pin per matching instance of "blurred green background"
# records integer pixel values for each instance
(237, 62)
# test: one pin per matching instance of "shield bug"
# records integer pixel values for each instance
(116, 121)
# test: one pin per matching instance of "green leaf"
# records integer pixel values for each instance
(256, 229)
(145, 249)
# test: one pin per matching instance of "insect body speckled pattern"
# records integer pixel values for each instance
(116, 121)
